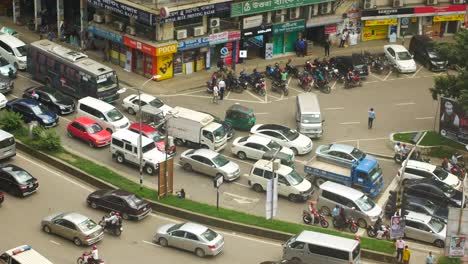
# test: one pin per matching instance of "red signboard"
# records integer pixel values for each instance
(330, 29)
(140, 46)
(439, 9)
(233, 35)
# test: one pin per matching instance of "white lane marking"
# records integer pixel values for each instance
(299, 91)
(241, 197)
(333, 86)
(375, 76)
(386, 77)
(256, 97)
(424, 118)
(412, 76)
(350, 123)
(53, 242)
(241, 184)
(289, 80)
(262, 113)
(408, 103)
(56, 173)
(274, 96)
(334, 108)
(151, 243)
(233, 234)
(227, 96)
(194, 91)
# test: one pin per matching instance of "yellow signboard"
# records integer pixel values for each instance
(165, 64)
(164, 50)
(380, 22)
(375, 32)
(448, 18)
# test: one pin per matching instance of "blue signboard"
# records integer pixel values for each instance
(114, 37)
(125, 10)
(192, 43)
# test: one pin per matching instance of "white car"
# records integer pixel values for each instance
(399, 56)
(253, 147)
(130, 103)
(3, 101)
(422, 170)
(284, 136)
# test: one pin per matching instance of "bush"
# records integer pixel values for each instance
(45, 139)
(11, 121)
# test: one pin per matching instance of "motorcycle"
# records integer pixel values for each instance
(245, 79)
(305, 81)
(84, 259)
(273, 72)
(322, 85)
(318, 218)
(355, 81)
(349, 223)
(292, 70)
(234, 84)
(114, 229)
(372, 231)
(260, 87)
(280, 87)
(399, 158)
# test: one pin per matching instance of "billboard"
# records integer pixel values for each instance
(397, 227)
(457, 246)
(453, 120)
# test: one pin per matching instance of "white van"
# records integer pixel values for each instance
(290, 183)
(309, 118)
(106, 115)
(7, 145)
(314, 247)
(13, 50)
(23, 255)
(124, 148)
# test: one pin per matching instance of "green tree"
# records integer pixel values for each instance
(454, 85)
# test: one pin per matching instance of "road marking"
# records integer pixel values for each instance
(424, 118)
(54, 242)
(274, 96)
(408, 103)
(151, 243)
(241, 199)
(227, 96)
(262, 113)
(333, 86)
(241, 184)
(194, 91)
(258, 98)
(334, 108)
(416, 72)
(375, 76)
(350, 123)
(386, 77)
(299, 91)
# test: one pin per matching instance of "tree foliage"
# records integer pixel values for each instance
(454, 85)
(11, 121)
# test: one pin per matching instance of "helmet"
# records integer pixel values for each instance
(112, 213)
(117, 214)
(94, 247)
(404, 145)
(350, 71)
(398, 143)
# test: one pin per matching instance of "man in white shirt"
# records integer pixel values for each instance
(400, 246)
(222, 88)
(215, 94)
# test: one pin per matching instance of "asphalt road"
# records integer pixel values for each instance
(401, 103)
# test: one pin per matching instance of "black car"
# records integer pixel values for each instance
(423, 49)
(2, 197)
(55, 100)
(17, 181)
(226, 126)
(6, 84)
(435, 191)
(32, 110)
(426, 206)
(355, 63)
(126, 203)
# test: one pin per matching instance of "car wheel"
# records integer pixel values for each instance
(325, 210)
(294, 150)
(125, 216)
(163, 242)
(257, 187)
(361, 223)
(319, 181)
(91, 144)
(149, 170)
(200, 252)
(439, 243)
(241, 155)
(94, 205)
(293, 197)
(178, 142)
(120, 158)
(131, 111)
(46, 229)
(77, 241)
(443, 132)
(188, 167)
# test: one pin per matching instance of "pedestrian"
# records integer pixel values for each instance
(215, 94)
(400, 246)
(327, 46)
(222, 88)
(297, 47)
(371, 118)
(301, 47)
(430, 258)
(406, 255)
(343, 38)
(181, 194)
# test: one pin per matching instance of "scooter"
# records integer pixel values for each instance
(318, 218)
(349, 223)
(399, 158)
(372, 231)
(114, 229)
(305, 81)
(84, 259)
(280, 87)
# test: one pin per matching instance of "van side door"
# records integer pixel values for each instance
(131, 153)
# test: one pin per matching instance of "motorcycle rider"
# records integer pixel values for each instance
(312, 212)
(257, 76)
(446, 165)
(399, 150)
(112, 220)
(319, 78)
(350, 76)
(284, 77)
(338, 215)
(93, 257)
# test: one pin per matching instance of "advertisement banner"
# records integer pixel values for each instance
(268, 51)
(439, 9)
(114, 37)
(449, 18)
(375, 32)
(166, 49)
(330, 29)
(397, 227)
(457, 246)
(288, 27)
(253, 21)
(260, 6)
(381, 22)
(125, 10)
(218, 38)
(165, 64)
(192, 43)
(453, 120)
(200, 11)
(133, 43)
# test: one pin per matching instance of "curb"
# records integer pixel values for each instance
(181, 213)
(379, 155)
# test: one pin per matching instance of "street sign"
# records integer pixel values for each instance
(218, 180)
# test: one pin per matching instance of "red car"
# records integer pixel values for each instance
(88, 130)
(155, 135)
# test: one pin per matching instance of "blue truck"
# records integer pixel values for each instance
(365, 175)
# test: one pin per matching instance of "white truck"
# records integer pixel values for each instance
(196, 129)
(23, 255)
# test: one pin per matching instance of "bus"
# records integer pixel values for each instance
(71, 72)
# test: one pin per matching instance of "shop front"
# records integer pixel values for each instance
(224, 46)
(114, 40)
(191, 56)
(254, 40)
(285, 36)
(319, 28)
(379, 29)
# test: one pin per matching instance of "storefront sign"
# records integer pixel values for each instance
(192, 43)
(448, 18)
(260, 6)
(323, 20)
(125, 10)
(218, 38)
(165, 69)
(253, 21)
(380, 22)
(268, 51)
(330, 29)
(440, 9)
(112, 36)
(262, 30)
(167, 49)
(388, 12)
(374, 32)
(200, 11)
(354, 13)
(415, 11)
(288, 27)
(233, 35)
(133, 43)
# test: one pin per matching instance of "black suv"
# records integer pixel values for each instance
(55, 100)
(355, 63)
(423, 49)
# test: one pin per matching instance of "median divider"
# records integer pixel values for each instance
(183, 213)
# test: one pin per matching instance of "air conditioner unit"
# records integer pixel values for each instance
(398, 3)
(280, 12)
(130, 30)
(215, 22)
(215, 30)
(279, 18)
(294, 13)
(198, 31)
(369, 4)
(431, 2)
(119, 26)
(98, 18)
(324, 8)
(181, 34)
(458, 1)
(313, 10)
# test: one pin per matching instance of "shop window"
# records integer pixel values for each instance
(452, 27)
(139, 61)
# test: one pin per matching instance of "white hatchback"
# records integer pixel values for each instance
(131, 103)
(284, 136)
(421, 170)
(399, 56)
(253, 147)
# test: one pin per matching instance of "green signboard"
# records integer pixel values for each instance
(260, 6)
(288, 27)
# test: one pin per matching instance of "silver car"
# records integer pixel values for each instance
(340, 154)
(425, 228)
(7, 69)
(209, 162)
(73, 226)
(191, 237)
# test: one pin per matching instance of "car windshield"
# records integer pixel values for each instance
(58, 97)
(156, 103)
(294, 178)
(156, 136)
(365, 204)
(3, 62)
(94, 128)
(209, 235)
(87, 225)
(430, 206)
(21, 50)
(174, 227)
(273, 145)
(358, 154)
(375, 172)
(404, 55)
(22, 176)
(290, 134)
(311, 119)
(436, 225)
(114, 115)
(220, 160)
(440, 173)
(148, 147)
(39, 109)
(104, 84)
(219, 134)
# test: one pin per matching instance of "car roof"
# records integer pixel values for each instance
(396, 48)
(340, 188)
(267, 164)
(146, 97)
(205, 153)
(258, 139)
(271, 127)
(144, 128)
(240, 108)
(84, 120)
(342, 148)
(420, 165)
(326, 240)
(11, 40)
(121, 193)
(418, 217)
(130, 136)
(193, 228)
(423, 38)
(96, 103)
(43, 88)
(74, 217)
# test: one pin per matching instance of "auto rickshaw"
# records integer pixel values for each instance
(284, 158)
(152, 116)
(240, 117)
